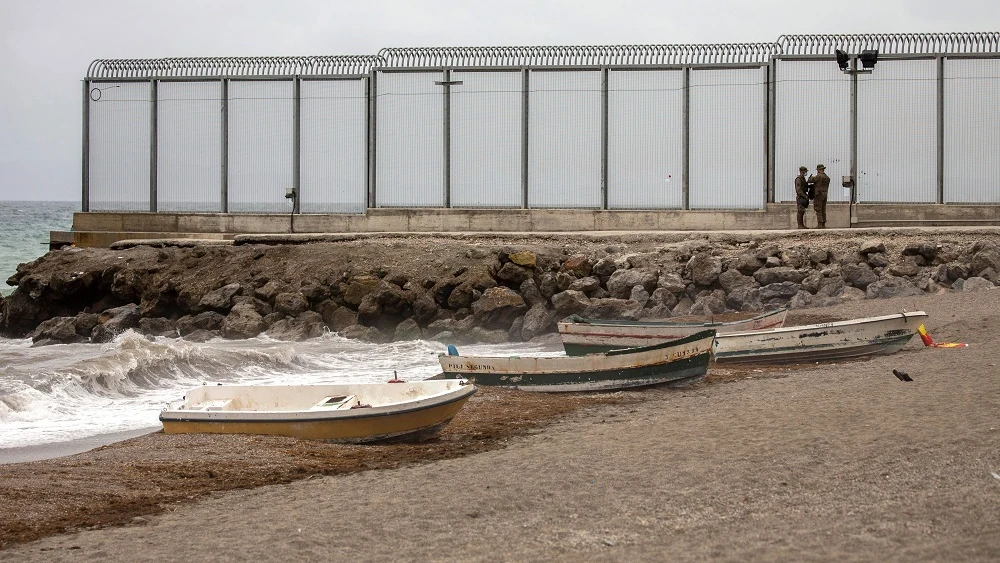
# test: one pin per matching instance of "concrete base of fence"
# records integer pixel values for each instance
(104, 228)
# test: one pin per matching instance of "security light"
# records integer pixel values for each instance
(842, 59)
(869, 57)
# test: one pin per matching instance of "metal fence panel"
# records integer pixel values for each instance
(120, 129)
(971, 130)
(564, 139)
(261, 141)
(486, 124)
(812, 124)
(189, 141)
(727, 156)
(897, 132)
(409, 136)
(645, 139)
(334, 161)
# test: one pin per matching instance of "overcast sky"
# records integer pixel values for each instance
(48, 44)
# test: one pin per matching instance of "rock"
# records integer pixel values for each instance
(158, 326)
(461, 296)
(890, 286)
(778, 291)
(872, 246)
(308, 324)
(523, 258)
(612, 308)
(812, 282)
(85, 323)
(291, 304)
(830, 287)
(990, 274)
(657, 312)
(570, 301)
(269, 290)
(200, 335)
(662, 298)
(532, 296)
(794, 258)
(57, 330)
(498, 307)
(115, 321)
(604, 267)
(536, 321)
(548, 286)
(985, 258)
(877, 260)
(708, 305)
(243, 321)
(849, 293)
(925, 250)
(586, 284)
(671, 282)
(564, 280)
(511, 272)
(425, 309)
(408, 329)
(269, 320)
(578, 266)
(703, 268)
(772, 262)
(780, 274)
(639, 295)
(801, 300)
(907, 267)
(358, 288)
(514, 332)
(819, 256)
(261, 307)
(622, 281)
(364, 333)
(220, 299)
(486, 336)
(976, 283)
(209, 320)
(732, 279)
(477, 253)
(858, 275)
(746, 264)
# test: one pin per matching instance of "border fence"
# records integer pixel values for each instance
(591, 127)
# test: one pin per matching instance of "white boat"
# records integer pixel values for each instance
(676, 361)
(361, 412)
(584, 336)
(824, 341)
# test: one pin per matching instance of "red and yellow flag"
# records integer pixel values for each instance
(928, 341)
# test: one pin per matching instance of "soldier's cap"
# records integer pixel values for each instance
(820, 167)
(803, 169)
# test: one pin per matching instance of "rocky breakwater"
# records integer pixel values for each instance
(484, 289)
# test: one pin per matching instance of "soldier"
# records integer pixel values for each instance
(820, 184)
(801, 197)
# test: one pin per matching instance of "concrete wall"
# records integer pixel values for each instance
(104, 228)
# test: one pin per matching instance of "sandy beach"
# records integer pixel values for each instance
(838, 461)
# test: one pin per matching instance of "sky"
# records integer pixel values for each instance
(47, 45)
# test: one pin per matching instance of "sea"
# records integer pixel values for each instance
(96, 393)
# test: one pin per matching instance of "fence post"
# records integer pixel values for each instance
(685, 143)
(152, 145)
(85, 171)
(769, 131)
(854, 141)
(372, 140)
(225, 146)
(525, 97)
(604, 138)
(296, 144)
(446, 96)
(940, 129)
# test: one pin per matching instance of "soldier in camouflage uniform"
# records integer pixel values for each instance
(801, 197)
(820, 183)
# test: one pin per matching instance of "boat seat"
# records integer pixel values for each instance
(337, 402)
(216, 405)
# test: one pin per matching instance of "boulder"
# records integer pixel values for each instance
(243, 321)
(425, 309)
(586, 284)
(514, 332)
(925, 250)
(486, 336)
(708, 305)
(220, 299)
(358, 287)
(907, 267)
(872, 246)
(115, 321)
(570, 301)
(858, 275)
(85, 323)
(612, 308)
(877, 260)
(639, 295)
(308, 324)
(849, 293)
(672, 282)
(514, 274)
(291, 304)
(364, 333)
(801, 300)
(537, 321)
(662, 297)
(269, 290)
(988, 257)
(523, 258)
(408, 329)
(780, 274)
(747, 264)
(891, 286)
(532, 296)
(782, 291)
(976, 283)
(819, 256)
(604, 267)
(158, 326)
(209, 320)
(578, 266)
(703, 268)
(262, 307)
(622, 281)
(683, 307)
(200, 335)
(732, 279)
(57, 330)
(498, 307)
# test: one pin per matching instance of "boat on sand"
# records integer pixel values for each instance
(678, 361)
(359, 412)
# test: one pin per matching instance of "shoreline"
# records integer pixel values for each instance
(55, 450)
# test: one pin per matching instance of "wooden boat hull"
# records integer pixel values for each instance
(586, 336)
(680, 361)
(401, 421)
(819, 342)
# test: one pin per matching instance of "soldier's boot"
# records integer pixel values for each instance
(821, 226)
(801, 224)
(799, 218)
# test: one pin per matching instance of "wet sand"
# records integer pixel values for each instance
(825, 462)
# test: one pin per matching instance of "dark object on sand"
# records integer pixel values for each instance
(902, 375)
